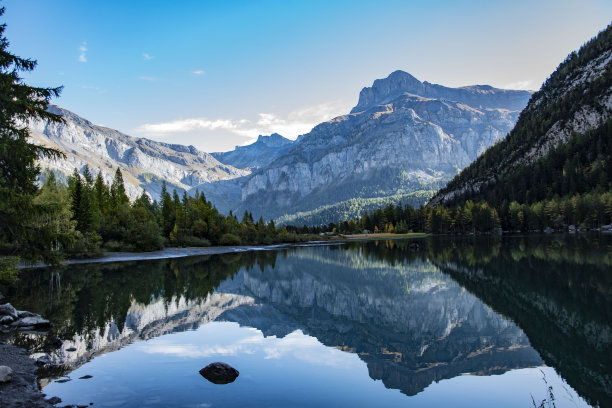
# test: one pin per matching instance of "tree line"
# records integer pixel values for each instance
(584, 211)
(90, 215)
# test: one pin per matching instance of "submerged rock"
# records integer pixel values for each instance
(6, 319)
(6, 374)
(219, 373)
(32, 321)
(24, 313)
(8, 310)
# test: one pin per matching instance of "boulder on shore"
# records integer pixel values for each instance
(219, 373)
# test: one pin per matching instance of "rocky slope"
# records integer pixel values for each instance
(573, 105)
(144, 163)
(404, 136)
(259, 154)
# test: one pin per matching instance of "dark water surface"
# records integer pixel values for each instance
(458, 322)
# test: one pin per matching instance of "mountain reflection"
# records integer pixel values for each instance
(453, 306)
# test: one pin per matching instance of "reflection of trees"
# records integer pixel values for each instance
(82, 298)
(558, 290)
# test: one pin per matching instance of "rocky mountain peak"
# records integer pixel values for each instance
(395, 84)
(274, 140)
(399, 83)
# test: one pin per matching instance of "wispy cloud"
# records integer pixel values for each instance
(198, 72)
(95, 88)
(297, 122)
(148, 78)
(148, 57)
(522, 85)
(83, 51)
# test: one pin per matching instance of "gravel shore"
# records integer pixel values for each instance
(22, 390)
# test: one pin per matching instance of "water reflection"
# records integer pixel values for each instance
(454, 306)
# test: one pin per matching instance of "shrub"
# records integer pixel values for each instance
(230, 240)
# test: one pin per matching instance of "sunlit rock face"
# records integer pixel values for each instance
(404, 135)
(145, 163)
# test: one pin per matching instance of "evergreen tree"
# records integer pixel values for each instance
(19, 103)
(117, 192)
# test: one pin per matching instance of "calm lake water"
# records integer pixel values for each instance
(457, 322)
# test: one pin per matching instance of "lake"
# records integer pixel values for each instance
(456, 321)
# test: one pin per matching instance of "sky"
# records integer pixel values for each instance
(216, 74)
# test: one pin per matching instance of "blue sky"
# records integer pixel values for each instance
(217, 73)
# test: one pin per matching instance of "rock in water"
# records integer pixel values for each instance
(6, 374)
(8, 310)
(219, 373)
(34, 321)
(6, 319)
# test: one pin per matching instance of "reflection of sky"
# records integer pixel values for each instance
(294, 371)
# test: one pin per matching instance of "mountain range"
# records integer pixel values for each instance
(144, 163)
(402, 141)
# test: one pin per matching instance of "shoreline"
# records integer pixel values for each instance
(22, 390)
(177, 252)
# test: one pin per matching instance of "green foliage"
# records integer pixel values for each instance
(8, 269)
(230, 240)
(353, 208)
(589, 211)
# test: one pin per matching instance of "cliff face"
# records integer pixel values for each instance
(403, 136)
(143, 162)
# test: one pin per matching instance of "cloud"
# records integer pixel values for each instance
(522, 85)
(83, 50)
(148, 78)
(147, 56)
(95, 88)
(295, 345)
(198, 72)
(296, 123)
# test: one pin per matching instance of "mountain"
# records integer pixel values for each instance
(562, 141)
(404, 140)
(259, 154)
(143, 162)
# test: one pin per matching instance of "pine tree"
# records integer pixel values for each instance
(117, 192)
(20, 103)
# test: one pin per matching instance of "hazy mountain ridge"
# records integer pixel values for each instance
(258, 154)
(144, 163)
(575, 102)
